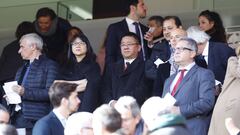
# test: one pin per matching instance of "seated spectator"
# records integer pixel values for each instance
(211, 23)
(80, 64)
(4, 115)
(10, 60)
(65, 101)
(53, 30)
(79, 124)
(34, 79)
(228, 102)
(6, 129)
(127, 76)
(159, 120)
(106, 120)
(130, 113)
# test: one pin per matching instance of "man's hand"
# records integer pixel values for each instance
(19, 89)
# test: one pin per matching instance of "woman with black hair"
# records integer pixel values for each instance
(80, 64)
(211, 23)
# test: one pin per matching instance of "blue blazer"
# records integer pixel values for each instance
(195, 97)
(113, 38)
(48, 125)
(218, 55)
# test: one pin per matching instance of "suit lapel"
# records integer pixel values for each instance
(125, 25)
(186, 78)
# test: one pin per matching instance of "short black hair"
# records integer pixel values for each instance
(128, 3)
(175, 18)
(60, 90)
(157, 18)
(133, 35)
(24, 28)
(45, 11)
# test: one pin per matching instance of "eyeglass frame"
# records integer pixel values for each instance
(181, 49)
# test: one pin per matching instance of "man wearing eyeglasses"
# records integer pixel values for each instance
(4, 115)
(192, 87)
(126, 76)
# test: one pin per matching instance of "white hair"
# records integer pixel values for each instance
(128, 103)
(198, 35)
(152, 109)
(33, 38)
(78, 121)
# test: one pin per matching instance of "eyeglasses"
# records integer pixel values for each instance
(78, 43)
(128, 45)
(181, 49)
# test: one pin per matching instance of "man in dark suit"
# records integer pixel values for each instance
(192, 87)
(63, 97)
(211, 55)
(126, 76)
(136, 10)
(155, 70)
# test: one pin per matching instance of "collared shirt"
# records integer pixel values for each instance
(129, 60)
(188, 67)
(60, 117)
(205, 52)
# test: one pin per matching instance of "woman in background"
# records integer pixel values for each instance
(211, 23)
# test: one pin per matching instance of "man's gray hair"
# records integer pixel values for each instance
(191, 43)
(33, 38)
(198, 35)
(129, 103)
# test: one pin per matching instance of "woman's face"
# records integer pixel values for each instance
(79, 47)
(204, 23)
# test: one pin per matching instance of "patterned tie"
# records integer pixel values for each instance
(178, 81)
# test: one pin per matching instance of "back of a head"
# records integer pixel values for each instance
(6, 129)
(108, 117)
(198, 35)
(23, 28)
(128, 103)
(45, 11)
(33, 38)
(78, 121)
(128, 3)
(158, 19)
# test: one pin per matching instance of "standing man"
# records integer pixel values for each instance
(64, 98)
(161, 65)
(127, 76)
(34, 80)
(136, 10)
(192, 87)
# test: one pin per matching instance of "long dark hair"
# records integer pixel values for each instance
(90, 55)
(218, 30)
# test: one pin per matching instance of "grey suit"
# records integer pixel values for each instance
(195, 97)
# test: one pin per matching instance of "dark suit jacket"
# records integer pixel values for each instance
(48, 125)
(217, 59)
(130, 82)
(195, 97)
(161, 73)
(113, 39)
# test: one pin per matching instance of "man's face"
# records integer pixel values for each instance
(4, 117)
(168, 27)
(176, 35)
(44, 23)
(183, 54)
(73, 102)
(25, 49)
(128, 121)
(141, 9)
(157, 29)
(129, 47)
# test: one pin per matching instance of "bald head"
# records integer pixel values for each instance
(177, 34)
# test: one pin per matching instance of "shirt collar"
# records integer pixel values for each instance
(130, 21)
(129, 60)
(205, 50)
(188, 67)
(59, 116)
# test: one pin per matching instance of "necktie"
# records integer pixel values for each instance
(140, 39)
(178, 82)
(127, 64)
